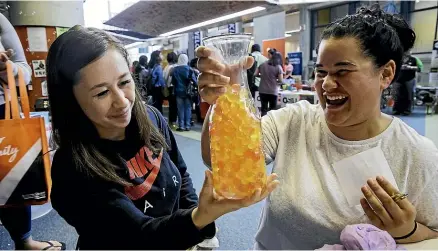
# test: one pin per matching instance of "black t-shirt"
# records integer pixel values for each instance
(154, 213)
(406, 74)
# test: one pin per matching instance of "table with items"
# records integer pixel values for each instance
(289, 97)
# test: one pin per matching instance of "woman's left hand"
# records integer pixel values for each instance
(397, 218)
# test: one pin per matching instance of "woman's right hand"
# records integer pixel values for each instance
(212, 206)
(215, 76)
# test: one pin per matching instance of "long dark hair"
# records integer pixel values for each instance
(382, 36)
(276, 59)
(73, 131)
(155, 59)
(142, 61)
(172, 58)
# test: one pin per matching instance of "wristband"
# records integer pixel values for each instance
(408, 235)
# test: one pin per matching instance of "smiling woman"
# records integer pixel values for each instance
(358, 57)
(118, 176)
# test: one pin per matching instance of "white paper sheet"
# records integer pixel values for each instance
(37, 39)
(353, 172)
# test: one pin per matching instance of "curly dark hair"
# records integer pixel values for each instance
(382, 36)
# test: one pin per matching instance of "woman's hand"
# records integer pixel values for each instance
(212, 206)
(4, 57)
(215, 76)
(397, 218)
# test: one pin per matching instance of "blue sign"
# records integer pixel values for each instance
(197, 38)
(232, 28)
(296, 59)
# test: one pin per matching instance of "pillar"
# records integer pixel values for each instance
(269, 27)
(305, 39)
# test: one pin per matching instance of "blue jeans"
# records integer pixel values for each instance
(184, 112)
(18, 222)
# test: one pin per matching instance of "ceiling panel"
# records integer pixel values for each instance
(157, 17)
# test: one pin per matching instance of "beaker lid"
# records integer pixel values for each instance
(231, 35)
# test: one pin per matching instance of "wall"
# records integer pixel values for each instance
(46, 13)
(292, 43)
(36, 82)
(269, 27)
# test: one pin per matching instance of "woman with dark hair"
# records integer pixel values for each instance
(118, 176)
(157, 80)
(288, 68)
(358, 57)
(141, 73)
(134, 65)
(271, 76)
(182, 75)
(172, 59)
(196, 99)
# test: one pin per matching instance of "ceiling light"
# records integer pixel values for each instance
(215, 20)
(285, 2)
(292, 31)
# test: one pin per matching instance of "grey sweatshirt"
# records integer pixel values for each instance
(9, 40)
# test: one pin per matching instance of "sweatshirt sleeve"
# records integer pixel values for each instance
(188, 196)
(10, 40)
(109, 213)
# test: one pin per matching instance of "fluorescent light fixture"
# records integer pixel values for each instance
(287, 35)
(292, 31)
(286, 2)
(126, 37)
(215, 20)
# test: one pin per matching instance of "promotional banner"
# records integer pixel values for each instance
(197, 38)
(296, 59)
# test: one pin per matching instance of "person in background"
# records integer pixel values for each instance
(405, 85)
(357, 58)
(118, 176)
(259, 59)
(134, 65)
(271, 74)
(157, 80)
(182, 75)
(172, 59)
(288, 69)
(17, 220)
(141, 73)
(196, 99)
(271, 52)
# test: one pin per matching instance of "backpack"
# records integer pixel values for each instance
(251, 74)
(192, 87)
(149, 82)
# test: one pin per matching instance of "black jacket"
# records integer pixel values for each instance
(155, 213)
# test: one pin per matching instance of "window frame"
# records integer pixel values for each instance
(406, 8)
(411, 9)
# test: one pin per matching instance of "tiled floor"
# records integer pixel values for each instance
(236, 230)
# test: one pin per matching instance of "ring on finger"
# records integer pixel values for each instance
(398, 197)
